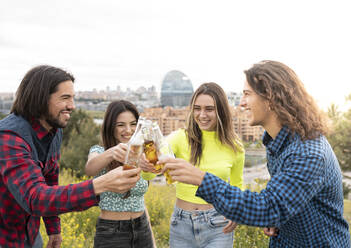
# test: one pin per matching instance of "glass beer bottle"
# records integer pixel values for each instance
(163, 150)
(149, 144)
(135, 147)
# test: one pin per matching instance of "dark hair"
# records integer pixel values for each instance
(288, 98)
(114, 109)
(224, 126)
(34, 92)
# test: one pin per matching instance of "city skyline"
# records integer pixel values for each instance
(136, 43)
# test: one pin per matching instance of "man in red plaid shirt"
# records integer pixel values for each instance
(30, 140)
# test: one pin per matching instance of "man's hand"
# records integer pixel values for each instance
(116, 180)
(182, 171)
(145, 165)
(271, 231)
(55, 241)
(229, 227)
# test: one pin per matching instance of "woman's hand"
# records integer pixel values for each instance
(118, 152)
(230, 227)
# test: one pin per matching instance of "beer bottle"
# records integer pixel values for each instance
(135, 145)
(163, 150)
(149, 143)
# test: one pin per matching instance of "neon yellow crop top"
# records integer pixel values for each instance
(217, 159)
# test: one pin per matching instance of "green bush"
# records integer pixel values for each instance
(250, 237)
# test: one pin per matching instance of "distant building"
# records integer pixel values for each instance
(234, 98)
(6, 101)
(243, 129)
(176, 90)
(170, 119)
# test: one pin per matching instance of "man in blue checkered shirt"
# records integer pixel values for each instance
(302, 205)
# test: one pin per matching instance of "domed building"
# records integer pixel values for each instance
(176, 89)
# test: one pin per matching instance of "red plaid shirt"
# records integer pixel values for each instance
(28, 190)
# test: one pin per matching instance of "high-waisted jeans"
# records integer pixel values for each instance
(134, 233)
(199, 229)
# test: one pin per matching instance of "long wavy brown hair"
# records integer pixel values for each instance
(288, 98)
(224, 126)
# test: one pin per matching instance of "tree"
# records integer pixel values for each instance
(339, 137)
(79, 136)
(333, 112)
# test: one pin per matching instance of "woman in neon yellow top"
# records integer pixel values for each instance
(209, 142)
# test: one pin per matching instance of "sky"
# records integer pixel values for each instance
(136, 42)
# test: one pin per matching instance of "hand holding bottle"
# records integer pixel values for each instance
(134, 147)
(165, 152)
(116, 180)
(182, 171)
(145, 165)
(118, 152)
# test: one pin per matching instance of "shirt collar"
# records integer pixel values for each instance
(40, 131)
(274, 145)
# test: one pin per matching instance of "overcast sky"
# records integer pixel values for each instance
(135, 43)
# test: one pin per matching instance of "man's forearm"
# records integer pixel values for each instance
(55, 200)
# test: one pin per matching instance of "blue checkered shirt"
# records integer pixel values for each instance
(303, 198)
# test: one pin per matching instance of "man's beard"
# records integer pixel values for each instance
(55, 121)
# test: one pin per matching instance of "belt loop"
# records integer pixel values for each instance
(180, 213)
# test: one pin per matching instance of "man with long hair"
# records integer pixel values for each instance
(30, 140)
(302, 205)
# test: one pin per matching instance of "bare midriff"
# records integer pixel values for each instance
(110, 215)
(189, 206)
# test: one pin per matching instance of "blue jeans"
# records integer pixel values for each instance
(38, 242)
(199, 229)
(134, 233)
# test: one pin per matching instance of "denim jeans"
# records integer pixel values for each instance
(199, 229)
(38, 242)
(134, 233)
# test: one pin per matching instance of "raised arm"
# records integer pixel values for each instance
(99, 159)
(23, 178)
(286, 194)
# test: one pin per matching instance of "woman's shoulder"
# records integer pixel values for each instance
(96, 148)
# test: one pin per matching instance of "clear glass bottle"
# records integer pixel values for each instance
(149, 143)
(135, 146)
(164, 150)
